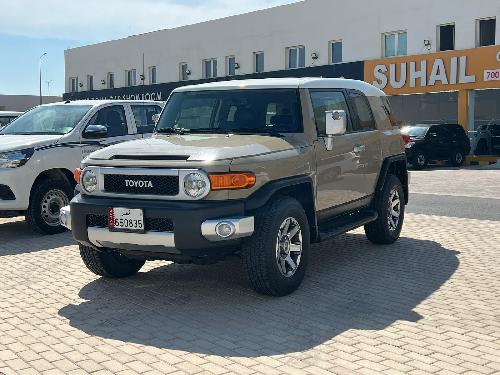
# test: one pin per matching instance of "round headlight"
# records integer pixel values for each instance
(89, 181)
(195, 185)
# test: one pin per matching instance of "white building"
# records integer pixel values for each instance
(288, 41)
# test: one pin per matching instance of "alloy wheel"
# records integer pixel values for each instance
(394, 214)
(289, 247)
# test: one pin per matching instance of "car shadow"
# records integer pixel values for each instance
(17, 237)
(351, 284)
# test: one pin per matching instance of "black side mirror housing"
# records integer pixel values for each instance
(95, 132)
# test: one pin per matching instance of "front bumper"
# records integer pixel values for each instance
(19, 182)
(194, 226)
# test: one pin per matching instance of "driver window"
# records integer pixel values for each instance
(113, 118)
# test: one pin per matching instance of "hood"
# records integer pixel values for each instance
(194, 147)
(19, 142)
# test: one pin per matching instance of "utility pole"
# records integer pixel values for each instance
(48, 86)
(40, 74)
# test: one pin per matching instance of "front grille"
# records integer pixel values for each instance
(155, 224)
(137, 184)
(6, 193)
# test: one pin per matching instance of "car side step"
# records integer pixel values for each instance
(345, 223)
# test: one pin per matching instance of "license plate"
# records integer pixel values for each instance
(126, 220)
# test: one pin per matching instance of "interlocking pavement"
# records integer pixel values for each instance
(428, 304)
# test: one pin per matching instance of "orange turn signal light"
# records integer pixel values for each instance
(224, 181)
(77, 174)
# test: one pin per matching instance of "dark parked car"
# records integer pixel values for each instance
(436, 142)
(487, 139)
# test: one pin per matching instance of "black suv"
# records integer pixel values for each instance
(433, 142)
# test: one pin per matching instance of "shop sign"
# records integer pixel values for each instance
(444, 71)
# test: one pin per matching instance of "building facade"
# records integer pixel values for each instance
(439, 57)
(22, 103)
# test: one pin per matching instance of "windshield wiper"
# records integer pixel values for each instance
(173, 131)
(250, 131)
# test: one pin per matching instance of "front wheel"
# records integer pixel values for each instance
(390, 206)
(419, 160)
(109, 264)
(276, 256)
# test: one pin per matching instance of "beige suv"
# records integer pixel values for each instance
(256, 168)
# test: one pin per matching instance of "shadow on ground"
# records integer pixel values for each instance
(351, 284)
(17, 237)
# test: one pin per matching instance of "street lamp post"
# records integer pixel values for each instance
(40, 74)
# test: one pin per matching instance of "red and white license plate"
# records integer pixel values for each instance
(125, 220)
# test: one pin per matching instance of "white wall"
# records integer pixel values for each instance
(313, 23)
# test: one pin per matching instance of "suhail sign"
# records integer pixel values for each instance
(442, 71)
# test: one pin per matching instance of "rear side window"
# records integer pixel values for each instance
(143, 115)
(363, 117)
(323, 101)
(113, 118)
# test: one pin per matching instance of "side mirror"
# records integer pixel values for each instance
(95, 132)
(336, 124)
(155, 118)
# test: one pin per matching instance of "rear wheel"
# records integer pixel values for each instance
(419, 160)
(390, 206)
(109, 263)
(457, 158)
(275, 257)
(46, 201)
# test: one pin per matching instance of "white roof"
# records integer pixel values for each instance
(10, 113)
(106, 101)
(278, 83)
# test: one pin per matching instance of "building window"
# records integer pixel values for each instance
(210, 68)
(395, 44)
(184, 72)
(335, 51)
(111, 80)
(73, 84)
(446, 37)
(485, 32)
(230, 65)
(152, 75)
(258, 62)
(296, 57)
(130, 77)
(90, 82)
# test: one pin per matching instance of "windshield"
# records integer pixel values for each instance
(232, 111)
(415, 131)
(53, 119)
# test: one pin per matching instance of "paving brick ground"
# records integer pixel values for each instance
(428, 304)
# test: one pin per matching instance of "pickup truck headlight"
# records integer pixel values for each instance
(15, 159)
(196, 185)
(89, 181)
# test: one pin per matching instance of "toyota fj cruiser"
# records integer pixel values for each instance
(257, 168)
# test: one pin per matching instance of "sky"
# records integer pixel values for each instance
(29, 28)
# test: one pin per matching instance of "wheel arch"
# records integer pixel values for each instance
(397, 166)
(59, 173)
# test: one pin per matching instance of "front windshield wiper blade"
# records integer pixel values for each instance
(173, 131)
(250, 131)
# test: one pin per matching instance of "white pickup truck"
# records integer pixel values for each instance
(40, 150)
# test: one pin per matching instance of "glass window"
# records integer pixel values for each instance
(336, 52)
(296, 57)
(446, 37)
(73, 84)
(323, 101)
(4, 120)
(183, 72)
(131, 77)
(240, 111)
(395, 44)
(113, 118)
(51, 119)
(143, 115)
(152, 75)
(231, 66)
(363, 117)
(210, 68)
(111, 80)
(259, 62)
(486, 32)
(90, 83)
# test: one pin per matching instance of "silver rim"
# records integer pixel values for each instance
(289, 247)
(394, 213)
(52, 203)
(421, 159)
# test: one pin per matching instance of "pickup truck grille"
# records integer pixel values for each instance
(155, 224)
(140, 184)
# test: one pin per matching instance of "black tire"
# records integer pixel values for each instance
(47, 198)
(380, 230)
(259, 252)
(109, 263)
(457, 158)
(419, 160)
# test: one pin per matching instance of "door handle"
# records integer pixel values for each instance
(359, 148)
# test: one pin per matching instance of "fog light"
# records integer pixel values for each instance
(225, 229)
